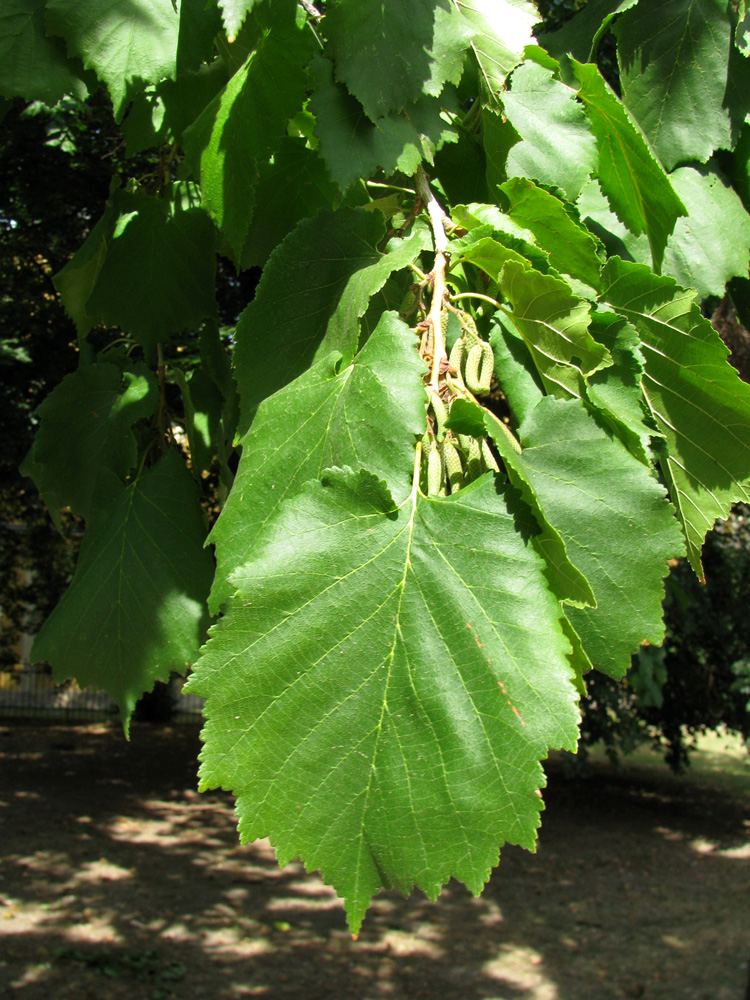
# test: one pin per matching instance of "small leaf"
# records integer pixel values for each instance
(388, 677)
(554, 325)
(233, 13)
(633, 181)
(135, 610)
(616, 391)
(618, 526)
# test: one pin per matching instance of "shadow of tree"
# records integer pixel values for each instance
(118, 878)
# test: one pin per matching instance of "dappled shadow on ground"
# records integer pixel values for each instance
(118, 879)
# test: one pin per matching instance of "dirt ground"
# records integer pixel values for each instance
(118, 880)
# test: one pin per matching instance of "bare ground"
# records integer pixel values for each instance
(118, 880)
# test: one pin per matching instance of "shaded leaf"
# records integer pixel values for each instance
(33, 65)
(135, 610)
(123, 41)
(84, 427)
(581, 34)
(353, 146)
(414, 47)
(296, 185)
(673, 58)
(244, 124)
(314, 291)
(157, 277)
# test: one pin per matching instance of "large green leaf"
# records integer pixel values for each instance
(84, 427)
(123, 41)
(709, 246)
(33, 65)
(697, 400)
(353, 146)
(157, 276)
(384, 683)
(673, 57)
(135, 610)
(244, 124)
(502, 31)
(618, 527)
(557, 146)
(389, 54)
(554, 324)
(633, 181)
(367, 414)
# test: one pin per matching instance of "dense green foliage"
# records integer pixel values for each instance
(467, 422)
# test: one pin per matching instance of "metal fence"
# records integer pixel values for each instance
(30, 692)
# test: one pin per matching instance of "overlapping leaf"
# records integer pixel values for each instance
(618, 527)
(503, 28)
(673, 71)
(633, 181)
(580, 35)
(414, 47)
(367, 414)
(122, 41)
(384, 683)
(84, 427)
(696, 398)
(156, 277)
(353, 146)
(554, 324)
(571, 247)
(33, 65)
(136, 609)
(557, 146)
(244, 124)
(315, 289)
